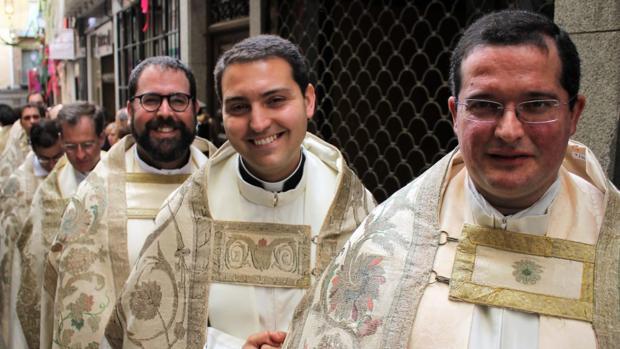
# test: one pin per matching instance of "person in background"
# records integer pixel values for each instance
(112, 212)
(8, 116)
(81, 134)
(510, 241)
(251, 229)
(17, 144)
(15, 199)
(36, 98)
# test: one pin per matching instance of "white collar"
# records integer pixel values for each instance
(274, 187)
(533, 219)
(37, 168)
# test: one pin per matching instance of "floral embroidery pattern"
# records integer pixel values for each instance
(527, 271)
(145, 300)
(354, 292)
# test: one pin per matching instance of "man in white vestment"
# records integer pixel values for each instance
(237, 246)
(17, 145)
(15, 199)
(106, 222)
(8, 116)
(510, 241)
(81, 130)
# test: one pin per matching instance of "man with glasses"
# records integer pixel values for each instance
(17, 144)
(81, 131)
(113, 211)
(510, 241)
(238, 245)
(15, 199)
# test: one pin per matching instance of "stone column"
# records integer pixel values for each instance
(193, 28)
(594, 26)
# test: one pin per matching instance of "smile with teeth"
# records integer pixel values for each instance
(165, 129)
(266, 140)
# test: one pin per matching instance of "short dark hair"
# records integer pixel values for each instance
(164, 62)
(259, 48)
(37, 106)
(44, 134)
(8, 115)
(515, 27)
(72, 113)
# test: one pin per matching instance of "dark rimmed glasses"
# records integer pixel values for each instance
(152, 101)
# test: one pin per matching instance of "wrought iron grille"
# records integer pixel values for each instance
(381, 74)
(134, 45)
(225, 10)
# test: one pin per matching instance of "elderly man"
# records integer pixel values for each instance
(17, 146)
(105, 224)
(81, 126)
(15, 200)
(242, 240)
(510, 241)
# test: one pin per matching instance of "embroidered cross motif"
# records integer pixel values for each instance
(527, 271)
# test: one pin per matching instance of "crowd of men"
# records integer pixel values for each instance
(271, 241)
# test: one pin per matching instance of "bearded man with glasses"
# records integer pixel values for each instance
(15, 199)
(510, 241)
(113, 211)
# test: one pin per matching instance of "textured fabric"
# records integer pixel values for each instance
(15, 199)
(393, 306)
(89, 259)
(165, 303)
(40, 228)
(14, 152)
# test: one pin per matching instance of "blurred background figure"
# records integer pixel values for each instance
(111, 135)
(36, 98)
(123, 123)
(52, 112)
(8, 116)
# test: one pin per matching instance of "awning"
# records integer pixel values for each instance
(78, 8)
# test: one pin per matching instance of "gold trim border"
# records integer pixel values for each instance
(142, 213)
(463, 289)
(137, 177)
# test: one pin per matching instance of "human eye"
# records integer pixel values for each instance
(237, 108)
(537, 107)
(276, 101)
(70, 147)
(88, 145)
(178, 100)
(151, 100)
(482, 108)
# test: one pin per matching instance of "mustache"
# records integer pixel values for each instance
(156, 123)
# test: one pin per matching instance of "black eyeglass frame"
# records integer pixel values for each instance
(162, 97)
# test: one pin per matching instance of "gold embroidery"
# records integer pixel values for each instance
(464, 288)
(142, 213)
(266, 254)
(135, 177)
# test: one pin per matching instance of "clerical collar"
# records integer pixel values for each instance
(37, 168)
(536, 212)
(185, 169)
(286, 184)
(79, 176)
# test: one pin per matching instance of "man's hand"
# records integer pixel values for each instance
(265, 340)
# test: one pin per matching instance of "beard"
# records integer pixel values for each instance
(164, 150)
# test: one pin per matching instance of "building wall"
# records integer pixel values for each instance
(595, 28)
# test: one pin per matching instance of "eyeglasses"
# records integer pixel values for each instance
(152, 101)
(44, 160)
(539, 111)
(73, 147)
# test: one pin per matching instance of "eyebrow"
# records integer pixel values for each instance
(268, 93)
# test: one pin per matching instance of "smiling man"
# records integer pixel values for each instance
(81, 126)
(510, 241)
(108, 219)
(15, 199)
(249, 232)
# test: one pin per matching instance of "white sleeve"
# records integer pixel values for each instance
(217, 339)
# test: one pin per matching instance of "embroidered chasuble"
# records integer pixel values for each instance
(15, 199)
(236, 255)
(100, 235)
(38, 231)
(4, 136)
(14, 152)
(432, 268)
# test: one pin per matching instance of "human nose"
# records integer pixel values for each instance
(509, 128)
(164, 107)
(259, 119)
